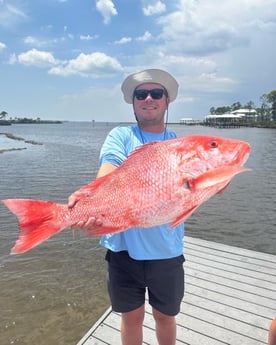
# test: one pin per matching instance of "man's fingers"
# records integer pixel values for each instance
(89, 224)
(99, 222)
(72, 200)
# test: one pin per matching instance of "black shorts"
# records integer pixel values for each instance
(128, 280)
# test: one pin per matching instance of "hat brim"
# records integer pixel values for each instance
(157, 76)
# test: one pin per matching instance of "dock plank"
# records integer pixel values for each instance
(237, 262)
(264, 288)
(230, 298)
(225, 249)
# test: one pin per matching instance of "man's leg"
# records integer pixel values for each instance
(272, 333)
(165, 328)
(132, 326)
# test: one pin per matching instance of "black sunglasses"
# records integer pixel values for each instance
(154, 94)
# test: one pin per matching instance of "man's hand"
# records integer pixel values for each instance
(88, 224)
(85, 191)
(73, 199)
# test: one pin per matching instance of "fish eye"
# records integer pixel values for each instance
(213, 144)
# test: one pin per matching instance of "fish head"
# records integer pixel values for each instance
(211, 162)
(218, 151)
(203, 153)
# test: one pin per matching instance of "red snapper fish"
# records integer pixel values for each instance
(160, 182)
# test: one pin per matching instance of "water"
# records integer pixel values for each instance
(55, 292)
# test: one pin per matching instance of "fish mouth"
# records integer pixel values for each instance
(245, 158)
(242, 155)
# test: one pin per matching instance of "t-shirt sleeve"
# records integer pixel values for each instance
(114, 149)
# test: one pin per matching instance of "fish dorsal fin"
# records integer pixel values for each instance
(89, 188)
(94, 184)
(140, 148)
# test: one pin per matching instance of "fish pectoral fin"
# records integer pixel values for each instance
(216, 176)
(224, 188)
(180, 219)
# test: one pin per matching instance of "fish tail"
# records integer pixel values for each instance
(38, 220)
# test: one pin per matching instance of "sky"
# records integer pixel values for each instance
(66, 59)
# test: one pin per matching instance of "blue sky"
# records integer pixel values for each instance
(66, 59)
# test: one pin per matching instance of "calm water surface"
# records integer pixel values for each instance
(55, 292)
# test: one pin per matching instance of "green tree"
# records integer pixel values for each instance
(236, 106)
(3, 114)
(249, 105)
(271, 98)
(222, 110)
(212, 111)
(263, 111)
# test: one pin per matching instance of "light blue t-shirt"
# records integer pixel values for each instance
(158, 242)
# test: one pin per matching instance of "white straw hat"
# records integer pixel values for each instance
(149, 76)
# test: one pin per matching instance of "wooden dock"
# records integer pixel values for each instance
(230, 298)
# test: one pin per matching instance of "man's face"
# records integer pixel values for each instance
(152, 108)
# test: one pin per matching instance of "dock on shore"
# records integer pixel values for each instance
(230, 298)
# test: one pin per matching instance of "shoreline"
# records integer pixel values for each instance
(12, 149)
(14, 137)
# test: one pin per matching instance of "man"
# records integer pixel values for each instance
(139, 259)
(272, 333)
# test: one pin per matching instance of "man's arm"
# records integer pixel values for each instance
(105, 169)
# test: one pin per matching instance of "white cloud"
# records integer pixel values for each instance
(92, 65)
(37, 58)
(188, 63)
(2, 46)
(107, 9)
(210, 83)
(103, 101)
(11, 15)
(12, 59)
(219, 51)
(145, 38)
(88, 37)
(37, 42)
(203, 27)
(32, 41)
(123, 40)
(153, 7)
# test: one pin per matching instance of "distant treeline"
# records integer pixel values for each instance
(5, 121)
(29, 120)
(266, 111)
(26, 120)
